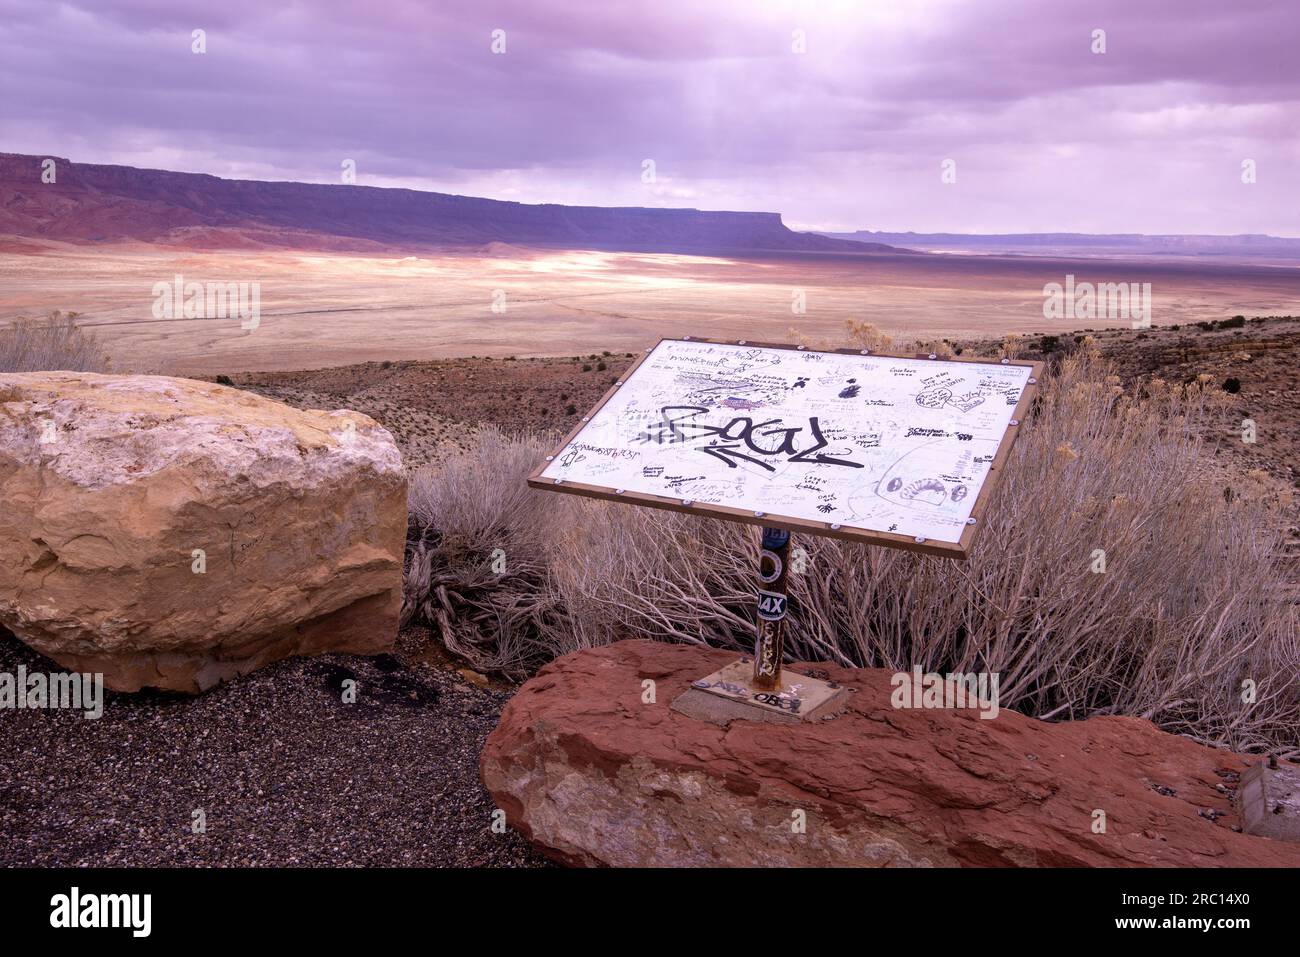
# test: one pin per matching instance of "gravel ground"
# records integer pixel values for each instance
(284, 772)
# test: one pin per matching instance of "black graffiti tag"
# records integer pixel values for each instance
(742, 436)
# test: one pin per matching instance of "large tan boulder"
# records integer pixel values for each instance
(172, 533)
(595, 774)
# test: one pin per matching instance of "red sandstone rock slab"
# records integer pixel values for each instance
(595, 776)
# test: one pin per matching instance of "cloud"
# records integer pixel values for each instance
(1046, 134)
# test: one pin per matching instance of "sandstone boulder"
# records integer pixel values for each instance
(172, 533)
(594, 776)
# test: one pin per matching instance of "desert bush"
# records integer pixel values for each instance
(55, 343)
(865, 335)
(1013, 345)
(479, 552)
(1190, 606)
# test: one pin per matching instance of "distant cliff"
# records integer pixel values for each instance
(1087, 244)
(90, 203)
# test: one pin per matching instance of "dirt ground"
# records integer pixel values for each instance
(434, 407)
(1257, 365)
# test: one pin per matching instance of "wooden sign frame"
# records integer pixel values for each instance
(959, 550)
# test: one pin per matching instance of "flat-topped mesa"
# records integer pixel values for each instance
(172, 533)
(87, 202)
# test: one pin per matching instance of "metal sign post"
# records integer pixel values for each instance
(773, 569)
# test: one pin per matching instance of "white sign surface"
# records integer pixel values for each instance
(875, 443)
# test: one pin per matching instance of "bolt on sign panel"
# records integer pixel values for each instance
(887, 449)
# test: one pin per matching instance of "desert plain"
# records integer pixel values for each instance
(322, 308)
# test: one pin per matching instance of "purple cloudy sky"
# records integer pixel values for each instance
(1046, 135)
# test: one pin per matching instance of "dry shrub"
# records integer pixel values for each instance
(858, 334)
(469, 517)
(866, 335)
(1190, 606)
(53, 344)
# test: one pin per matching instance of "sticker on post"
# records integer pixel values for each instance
(771, 605)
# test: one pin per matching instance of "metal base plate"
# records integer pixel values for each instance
(729, 694)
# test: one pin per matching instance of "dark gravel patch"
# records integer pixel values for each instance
(284, 772)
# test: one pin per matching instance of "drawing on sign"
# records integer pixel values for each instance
(871, 443)
(913, 482)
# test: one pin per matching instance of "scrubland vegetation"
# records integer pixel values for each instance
(55, 343)
(1190, 623)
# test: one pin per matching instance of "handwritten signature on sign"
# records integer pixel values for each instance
(742, 437)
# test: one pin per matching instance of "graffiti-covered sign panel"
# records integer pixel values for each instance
(835, 441)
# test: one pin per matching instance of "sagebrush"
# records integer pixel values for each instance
(56, 343)
(1188, 617)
